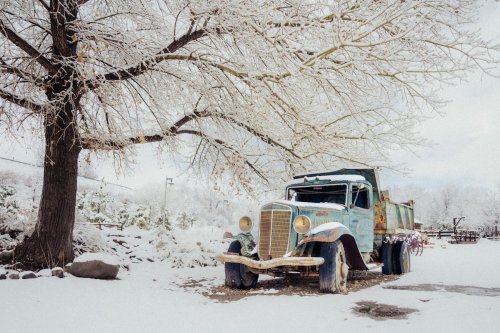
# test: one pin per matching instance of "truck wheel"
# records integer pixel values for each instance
(386, 257)
(401, 258)
(238, 275)
(333, 272)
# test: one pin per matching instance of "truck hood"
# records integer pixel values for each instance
(309, 205)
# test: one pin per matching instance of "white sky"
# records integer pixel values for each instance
(466, 139)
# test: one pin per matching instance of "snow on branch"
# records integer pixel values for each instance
(149, 62)
(22, 102)
(17, 40)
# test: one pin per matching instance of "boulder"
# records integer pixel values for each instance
(14, 275)
(58, 271)
(66, 268)
(3, 276)
(6, 256)
(95, 266)
(28, 275)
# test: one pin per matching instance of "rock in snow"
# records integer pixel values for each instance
(5, 255)
(28, 275)
(14, 275)
(95, 266)
(58, 271)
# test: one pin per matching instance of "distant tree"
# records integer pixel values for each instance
(162, 219)
(185, 220)
(95, 206)
(254, 90)
(8, 203)
(122, 215)
(141, 217)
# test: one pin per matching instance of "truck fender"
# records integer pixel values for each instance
(333, 231)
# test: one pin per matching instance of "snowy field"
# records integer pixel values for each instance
(452, 288)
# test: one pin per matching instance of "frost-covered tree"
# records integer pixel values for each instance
(252, 91)
(7, 197)
(185, 220)
(162, 219)
(122, 215)
(95, 206)
(141, 217)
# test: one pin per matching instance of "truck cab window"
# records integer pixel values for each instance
(360, 197)
(318, 194)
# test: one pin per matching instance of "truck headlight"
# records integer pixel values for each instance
(246, 224)
(302, 224)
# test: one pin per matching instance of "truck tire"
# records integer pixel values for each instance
(386, 257)
(401, 258)
(333, 272)
(238, 275)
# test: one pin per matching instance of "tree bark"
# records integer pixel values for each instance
(50, 244)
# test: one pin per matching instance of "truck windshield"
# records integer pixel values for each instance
(317, 194)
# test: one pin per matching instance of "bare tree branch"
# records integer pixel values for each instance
(147, 63)
(26, 47)
(44, 4)
(21, 73)
(22, 102)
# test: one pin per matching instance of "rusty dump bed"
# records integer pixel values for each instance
(393, 218)
(390, 217)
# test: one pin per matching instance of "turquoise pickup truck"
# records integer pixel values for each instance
(329, 223)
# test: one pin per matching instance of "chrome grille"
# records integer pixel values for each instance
(274, 232)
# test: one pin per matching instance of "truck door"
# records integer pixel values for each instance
(361, 215)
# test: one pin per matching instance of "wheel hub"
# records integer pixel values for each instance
(344, 270)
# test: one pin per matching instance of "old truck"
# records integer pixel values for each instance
(328, 224)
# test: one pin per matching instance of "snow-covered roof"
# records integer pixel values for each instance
(332, 178)
(300, 204)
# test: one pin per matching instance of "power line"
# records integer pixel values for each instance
(85, 177)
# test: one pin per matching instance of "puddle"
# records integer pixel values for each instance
(291, 286)
(380, 311)
(466, 290)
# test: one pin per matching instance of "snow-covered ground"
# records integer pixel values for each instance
(450, 289)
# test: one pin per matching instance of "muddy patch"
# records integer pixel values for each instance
(380, 311)
(466, 290)
(291, 286)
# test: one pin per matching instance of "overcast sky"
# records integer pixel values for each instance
(466, 139)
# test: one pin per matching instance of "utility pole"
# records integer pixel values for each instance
(168, 182)
(226, 210)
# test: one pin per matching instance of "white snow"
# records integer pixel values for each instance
(45, 273)
(104, 257)
(332, 178)
(152, 297)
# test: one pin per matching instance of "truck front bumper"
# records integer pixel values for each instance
(267, 264)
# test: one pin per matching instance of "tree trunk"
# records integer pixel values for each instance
(50, 244)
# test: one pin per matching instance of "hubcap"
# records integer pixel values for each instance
(344, 270)
(406, 261)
